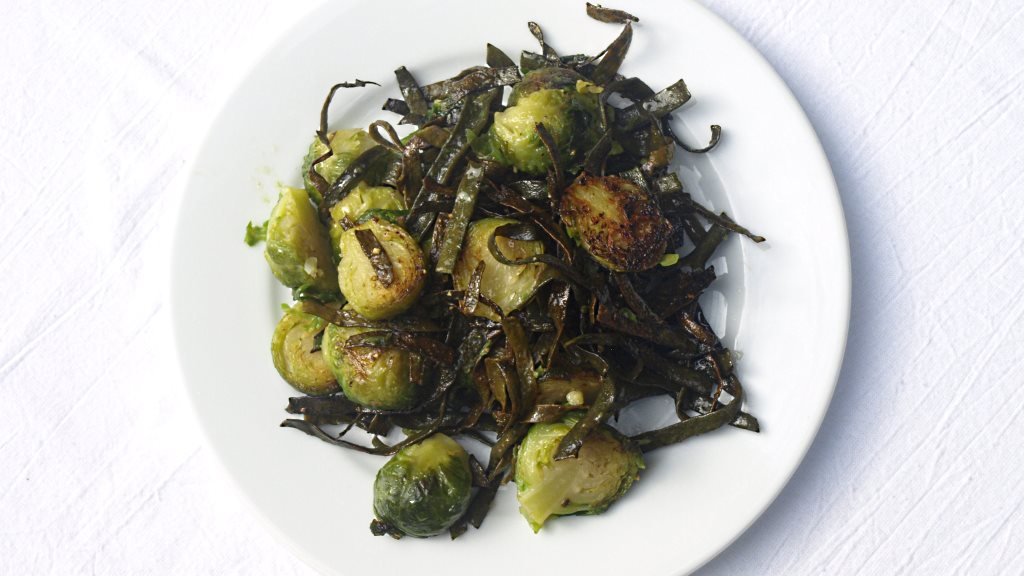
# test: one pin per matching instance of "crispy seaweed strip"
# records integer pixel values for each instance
(716, 136)
(609, 15)
(393, 140)
(374, 252)
(675, 373)
(725, 221)
(698, 258)
(613, 57)
(397, 106)
(465, 202)
(472, 296)
(481, 504)
(743, 420)
(480, 78)
(348, 180)
(556, 162)
(542, 218)
(517, 341)
(661, 104)
(319, 182)
(594, 163)
(659, 333)
(558, 306)
(549, 53)
(498, 59)
(678, 432)
(536, 190)
(522, 231)
(596, 415)
(381, 450)
(548, 413)
(473, 120)
(668, 184)
(418, 106)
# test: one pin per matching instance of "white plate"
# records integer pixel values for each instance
(783, 304)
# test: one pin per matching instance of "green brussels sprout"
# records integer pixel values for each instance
(510, 287)
(555, 97)
(550, 78)
(360, 200)
(296, 355)
(514, 132)
(346, 145)
(574, 387)
(424, 488)
(619, 223)
(386, 379)
(606, 466)
(298, 249)
(358, 278)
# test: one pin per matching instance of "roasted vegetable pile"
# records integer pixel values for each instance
(505, 273)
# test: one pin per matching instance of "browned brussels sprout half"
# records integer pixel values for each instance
(297, 355)
(616, 221)
(382, 270)
(606, 466)
(510, 287)
(371, 376)
(423, 489)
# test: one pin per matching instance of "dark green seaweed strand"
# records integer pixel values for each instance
(382, 450)
(609, 15)
(549, 53)
(639, 114)
(675, 433)
(613, 57)
(465, 202)
(472, 121)
(498, 59)
(374, 252)
(725, 221)
(414, 99)
(596, 415)
(351, 177)
(701, 253)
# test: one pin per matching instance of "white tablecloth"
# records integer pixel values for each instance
(918, 467)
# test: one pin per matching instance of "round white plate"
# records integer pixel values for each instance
(784, 304)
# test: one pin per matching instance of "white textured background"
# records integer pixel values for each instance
(919, 466)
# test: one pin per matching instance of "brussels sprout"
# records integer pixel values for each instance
(386, 379)
(607, 465)
(298, 249)
(619, 223)
(358, 278)
(346, 145)
(296, 354)
(548, 96)
(510, 287)
(359, 201)
(550, 78)
(424, 488)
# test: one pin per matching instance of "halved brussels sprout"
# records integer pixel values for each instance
(549, 78)
(296, 354)
(360, 200)
(424, 488)
(298, 249)
(619, 223)
(510, 287)
(346, 145)
(387, 379)
(606, 466)
(358, 278)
